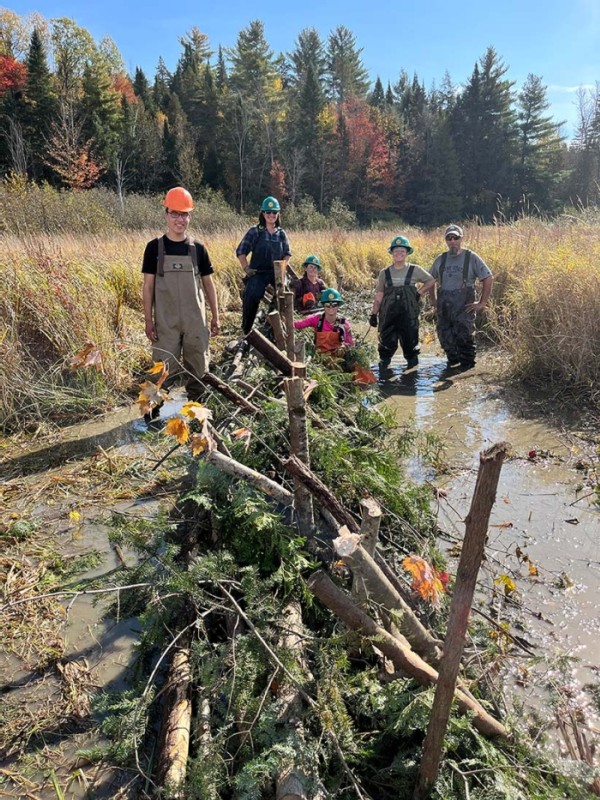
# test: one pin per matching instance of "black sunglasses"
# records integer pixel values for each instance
(270, 212)
(330, 305)
(452, 238)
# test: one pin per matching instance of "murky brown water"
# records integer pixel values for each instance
(542, 509)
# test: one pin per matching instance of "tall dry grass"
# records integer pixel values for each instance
(60, 291)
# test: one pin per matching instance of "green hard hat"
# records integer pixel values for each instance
(270, 204)
(331, 296)
(314, 260)
(400, 241)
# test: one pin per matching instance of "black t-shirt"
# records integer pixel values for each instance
(150, 262)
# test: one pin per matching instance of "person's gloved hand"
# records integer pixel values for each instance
(250, 273)
(373, 320)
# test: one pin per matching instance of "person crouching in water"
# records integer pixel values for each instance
(332, 332)
(307, 292)
(397, 304)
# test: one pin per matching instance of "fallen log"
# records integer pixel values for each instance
(472, 551)
(348, 547)
(270, 352)
(264, 484)
(175, 732)
(295, 467)
(290, 783)
(408, 662)
(226, 390)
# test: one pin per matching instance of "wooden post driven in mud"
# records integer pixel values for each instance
(476, 526)
(294, 392)
(274, 320)
(286, 306)
(280, 270)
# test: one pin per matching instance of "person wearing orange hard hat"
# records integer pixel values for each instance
(177, 285)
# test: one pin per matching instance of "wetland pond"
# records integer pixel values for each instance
(543, 541)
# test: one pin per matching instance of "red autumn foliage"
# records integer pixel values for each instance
(13, 74)
(122, 85)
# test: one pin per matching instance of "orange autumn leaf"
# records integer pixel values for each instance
(243, 433)
(425, 579)
(178, 428)
(88, 356)
(532, 570)
(159, 368)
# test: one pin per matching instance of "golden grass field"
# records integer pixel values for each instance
(61, 291)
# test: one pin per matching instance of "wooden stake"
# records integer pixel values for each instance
(476, 526)
(274, 320)
(294, 392)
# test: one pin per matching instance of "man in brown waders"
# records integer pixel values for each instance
(177, 279)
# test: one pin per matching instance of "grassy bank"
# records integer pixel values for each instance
(63, 290)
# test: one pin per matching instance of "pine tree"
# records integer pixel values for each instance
(485, 132)
(346, 75)
(40, 105)
(377, 96)
(539, 147)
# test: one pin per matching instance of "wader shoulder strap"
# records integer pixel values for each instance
(409, 274)
(388, 278)
(442, 268)
(160, 265)
(338, 327)
(320, 322)
(466, 266)
(193, 254)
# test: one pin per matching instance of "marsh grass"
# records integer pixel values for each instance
(61, 291)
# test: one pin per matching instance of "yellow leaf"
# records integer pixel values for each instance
(509, 585)
(532, 569)
(157, 368)
(74, 516)
(197, 411)
(178, 428)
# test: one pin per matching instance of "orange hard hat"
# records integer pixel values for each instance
(178, 199)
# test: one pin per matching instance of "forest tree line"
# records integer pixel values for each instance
(306, 126)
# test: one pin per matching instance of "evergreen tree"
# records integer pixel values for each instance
(101, 111)
(161, 89)
(221, 71)
(377, 96)
(539, 147)
(485, 132)
(141, 87)
(440, 192)
(346, 75)
(40, 105)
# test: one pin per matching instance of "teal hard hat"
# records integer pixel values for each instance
(270, 204)
(400, 241)
(331, 296)
(314, 260)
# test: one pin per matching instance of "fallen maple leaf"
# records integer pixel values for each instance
(179, 429)
(509, 585)
(88, 356)
(159, 368)
(199, 443)
(150, 396)
(532, 569)
(425, 582)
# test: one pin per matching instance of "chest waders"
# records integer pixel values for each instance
(329, 341)
(265, 252)
(180, 318)
(399, 319)
(455, 326)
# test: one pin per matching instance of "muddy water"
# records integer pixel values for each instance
(543, 510)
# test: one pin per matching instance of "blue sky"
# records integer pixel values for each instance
(559, 40)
